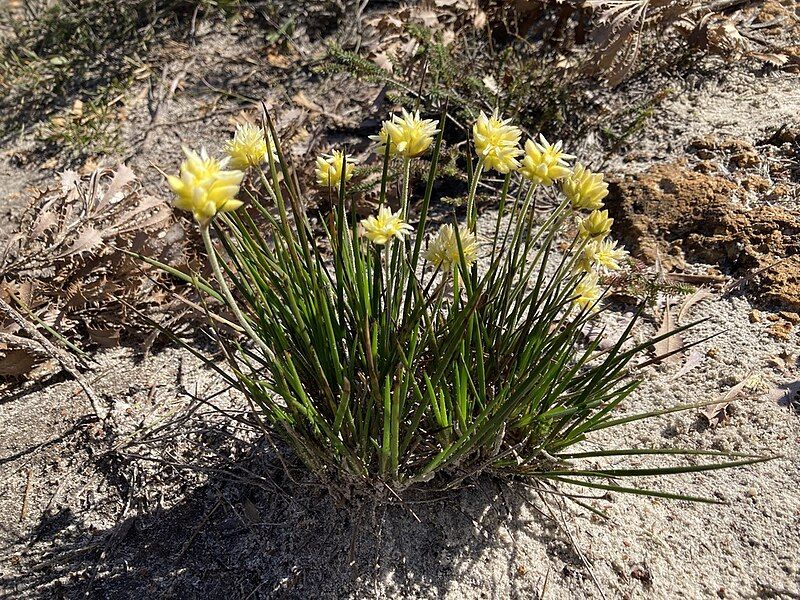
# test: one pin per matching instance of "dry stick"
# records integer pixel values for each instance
(67, 362)
(24, 511)
(575, 544)
(22, 342)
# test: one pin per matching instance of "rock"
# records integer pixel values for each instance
(781, 330)
(755, 316)
(755, 183)
(745, 158)
(683, 215)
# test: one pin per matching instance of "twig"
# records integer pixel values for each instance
(24, 511)
(67, 362)
(565, 529)
(197, 529)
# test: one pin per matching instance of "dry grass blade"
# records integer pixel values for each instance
(698, 296)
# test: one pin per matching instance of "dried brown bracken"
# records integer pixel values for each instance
(66, 269)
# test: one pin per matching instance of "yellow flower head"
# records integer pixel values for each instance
(409, 135)
(544, 162)
(381, 229)
(596, 226)
(606, 254)
(584, 189)
(587, 292)
(329, 169)
(204, 187)
(442, 252)
(497, 142)
(249, 147)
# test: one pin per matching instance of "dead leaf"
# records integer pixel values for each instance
(718, 412)
(491, 84)
(694, 359)
(63, 260)
(106, 338)
(670, 346)
(70, 184)
(122, 177)
(251, 511)
(77, 108)
(302, 100)
(698, 296)
(279, 61)
(694, 278)
(15, 363)
(787, 394)
(776, 60)
(87, 240)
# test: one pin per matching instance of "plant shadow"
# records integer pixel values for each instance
(254, 529)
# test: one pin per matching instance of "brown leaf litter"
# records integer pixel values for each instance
(65, 267)
(670, 347)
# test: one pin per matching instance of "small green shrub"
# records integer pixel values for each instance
(386, 354)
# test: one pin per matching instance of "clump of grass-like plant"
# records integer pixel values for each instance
(385, 353)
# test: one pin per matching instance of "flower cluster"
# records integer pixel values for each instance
(443, 252)
(545, 163)
(331, 167)
(249, 147)
(585, 191)
(205, 187)
(497, 143)
(408, 135)
(383, 362)
(381, 229)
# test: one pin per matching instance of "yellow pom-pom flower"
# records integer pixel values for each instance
(606, 254)
(544, 162)
(443, 253)
(386, 225)
(587, 292)
(204, 187)
(585, 190)
(249, 147)
(497, 142)
(408, 135)
(596, 226)
(329, 169)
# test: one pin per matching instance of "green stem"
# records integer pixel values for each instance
(472, 213)
(226, 292)
(404, 193)
(267, 186)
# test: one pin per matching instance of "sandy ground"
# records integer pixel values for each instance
(174, 498)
